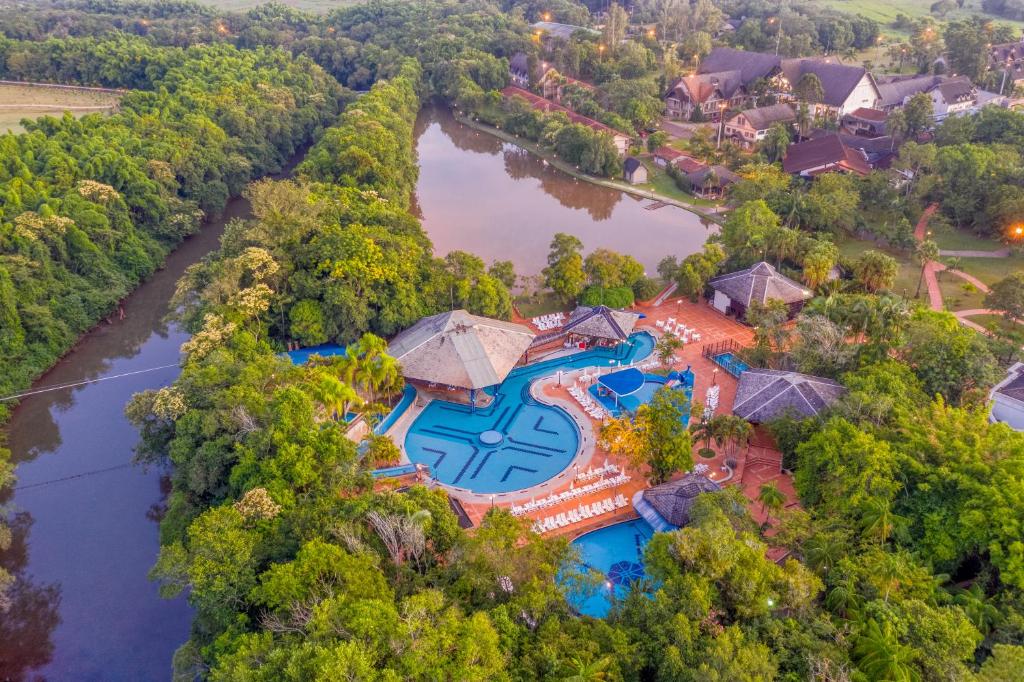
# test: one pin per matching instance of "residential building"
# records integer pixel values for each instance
(634, 171)
(553, 84)
(825, 154)
(877, 151)
(519, 70)
(735, 291)
(667, 156)
(865, 121)
(751, 125)
(1007, 399)
(766, 394)
(953, 97)
(897, 90)
(619, 138)
(711, 182)
(1008, 58)
(709, 94)
(845, 88)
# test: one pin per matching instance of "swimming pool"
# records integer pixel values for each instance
(616, 552)
(515, 442)
(302, 355)
(731, 364)
(630, 403)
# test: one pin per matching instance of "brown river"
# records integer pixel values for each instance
(86, 519)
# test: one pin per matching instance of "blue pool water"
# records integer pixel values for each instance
(408, 395)
(731, 364)
(616, 553)
(302, 356)
(515, 442)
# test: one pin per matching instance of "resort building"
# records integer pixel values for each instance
(865, 121)
(599, 326)
(666, 507)
(735, 291)
(845, 88)
(634, 171)
(552, 84)
(519, 70)
(825, 154)
(751, 125)
(459, 352)
(1009, 59)
(1007, 399)
(710, 94)
(877, 151)
(668, 156)
(766, 394)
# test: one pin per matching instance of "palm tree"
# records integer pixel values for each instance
(667, 346)
(926, 251)
(880, 656)
(782, 243)
(976, 605)
(334, 396)
(771, 499)
(843, 599)
(732, 430)
(704, 430)
(823, 552)
(878, 519)
(594, 671)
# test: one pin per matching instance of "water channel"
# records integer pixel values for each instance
(86, 528)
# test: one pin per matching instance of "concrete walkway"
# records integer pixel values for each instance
(998, 253)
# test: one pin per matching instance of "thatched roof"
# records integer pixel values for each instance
(759, 283)
(765, 394)
(459, 349)
(674, 499)
(601, 322)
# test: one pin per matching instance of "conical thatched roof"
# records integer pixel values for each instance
(759, 283)
(764, 394)
(459, 349)
(674, 499)
(601, 322)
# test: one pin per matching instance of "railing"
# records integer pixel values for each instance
(732, 364)
(711, 350)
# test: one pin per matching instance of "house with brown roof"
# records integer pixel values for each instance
(766, 394)
(1007, 399)
(953, 97)
(734, 292)
(845, 88)
(751, 125)
(709, 93)
(826, 154)
(711, 182)
(865, 121)
(1008, 60)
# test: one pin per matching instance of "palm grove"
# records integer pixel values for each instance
(298, 570)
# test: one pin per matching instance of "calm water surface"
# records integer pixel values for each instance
(86, 528)
(479, 194)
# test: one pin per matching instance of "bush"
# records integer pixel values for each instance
(613, 297)
(646, 288)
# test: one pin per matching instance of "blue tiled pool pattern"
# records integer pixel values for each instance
(515, 442)
(731, 364)
(615, 553)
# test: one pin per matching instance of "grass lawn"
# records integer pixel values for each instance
(958, 294)
(885, 11)
(18, 102)
(660, 182)
(964, 240)
(539, 304)
(991, 270)
(996, 322)
(906, 277)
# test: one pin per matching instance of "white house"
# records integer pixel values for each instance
(1007, 399)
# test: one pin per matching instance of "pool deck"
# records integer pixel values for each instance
(757, 464)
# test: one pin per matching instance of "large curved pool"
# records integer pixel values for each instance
(616, 553)
(515, 442)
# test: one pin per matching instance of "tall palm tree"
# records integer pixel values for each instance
(880, 656)
(878, 519)
(704, 430)
(731, 431)
(926, 251)
(823, 552)
(782, 244)
(771, 499)
(334, 396)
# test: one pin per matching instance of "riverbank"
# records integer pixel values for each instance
(569, 169)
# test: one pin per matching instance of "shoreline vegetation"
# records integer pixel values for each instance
(569, 169)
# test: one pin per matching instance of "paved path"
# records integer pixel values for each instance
(931, 279)
(998, 253)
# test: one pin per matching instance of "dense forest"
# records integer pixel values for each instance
(904, 563)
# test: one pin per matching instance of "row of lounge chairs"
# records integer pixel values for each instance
(581, 513)
(687, 334)
(592, 473)
(587, 403)
(546, 322)
(571, 494)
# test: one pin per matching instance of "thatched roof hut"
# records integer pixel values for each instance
(460, 350)
(765, 394)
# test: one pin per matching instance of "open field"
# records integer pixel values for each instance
(318, 6)
(31, 101)
(885, 11)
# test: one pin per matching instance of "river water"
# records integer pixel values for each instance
(479, 194)
(86, 529)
